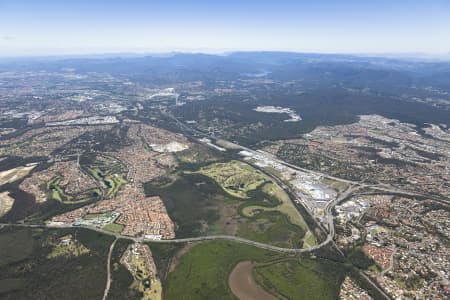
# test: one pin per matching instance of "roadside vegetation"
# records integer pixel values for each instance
(165, 257)
(121, 278)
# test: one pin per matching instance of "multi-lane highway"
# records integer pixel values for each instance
(180, 240)
(327, 226)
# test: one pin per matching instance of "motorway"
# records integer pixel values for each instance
(329, 228)
(353, 187)
(180, 240)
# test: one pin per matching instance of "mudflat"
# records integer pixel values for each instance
(244, 286)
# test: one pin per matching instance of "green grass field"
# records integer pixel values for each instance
(202, 273)
(302, 279)
(285, 205)
(113, 227)
(96, 173)
(272, 228)
(309, 239)
(100, 215)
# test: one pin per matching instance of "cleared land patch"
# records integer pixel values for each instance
(206, 267)
(6, 203)
(12, 175)
(228, 270)
(67, 246)
(244, 286)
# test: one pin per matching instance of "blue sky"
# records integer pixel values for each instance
(42, 27)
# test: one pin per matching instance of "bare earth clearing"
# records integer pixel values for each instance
(244, 286)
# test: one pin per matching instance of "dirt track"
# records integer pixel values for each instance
(244, 286)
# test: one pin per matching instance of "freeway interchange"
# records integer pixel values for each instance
(326, 225)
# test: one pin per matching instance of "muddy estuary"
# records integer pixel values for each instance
(244, 286)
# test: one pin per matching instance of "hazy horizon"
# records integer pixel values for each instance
(53, 28)
(412, 56)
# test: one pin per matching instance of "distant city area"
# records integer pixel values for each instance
(248, 175)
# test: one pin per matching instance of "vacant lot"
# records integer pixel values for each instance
(12, 175)
(113, 227)
(6, 203)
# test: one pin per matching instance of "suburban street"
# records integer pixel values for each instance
(327, 226)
